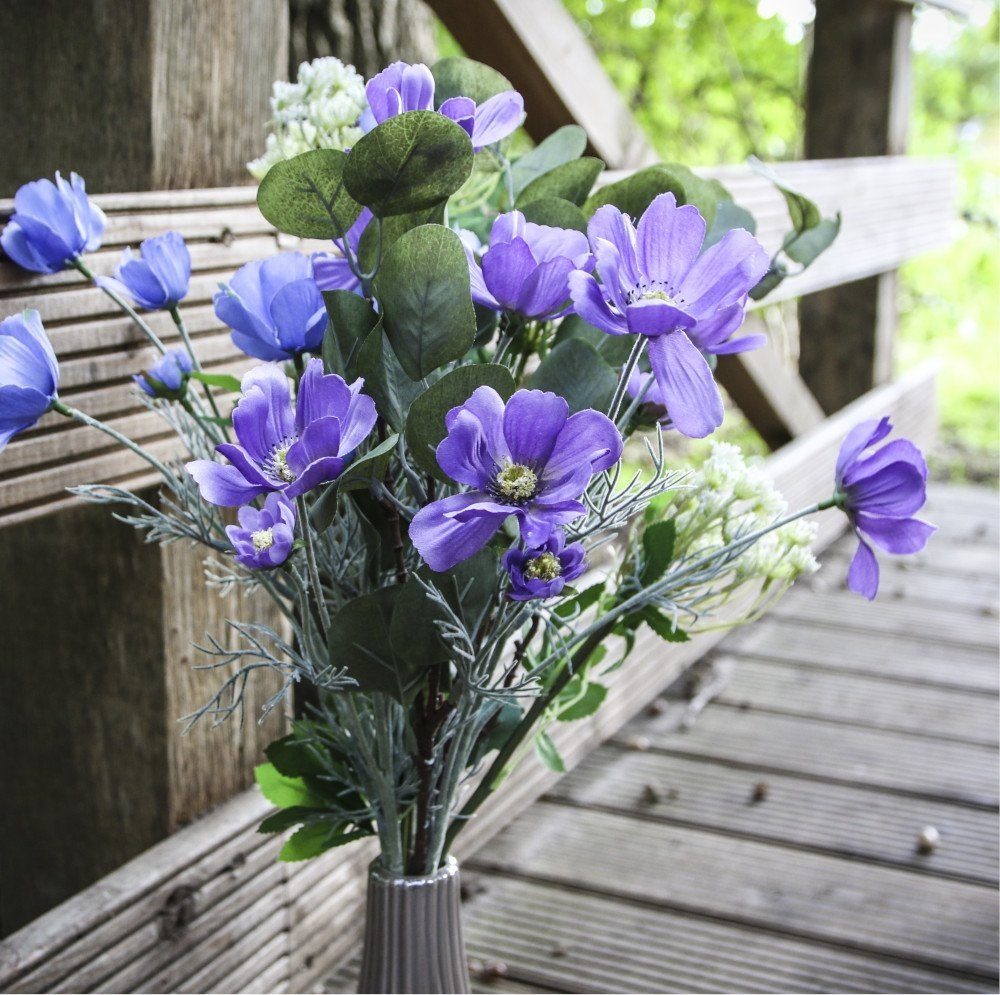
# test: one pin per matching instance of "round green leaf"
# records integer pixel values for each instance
(408, 163)
(575, 371)
(556, 213)
(456, 76)
(351, 319)
(305, 196)
(564, 145)
(374, 243)
(571, 181)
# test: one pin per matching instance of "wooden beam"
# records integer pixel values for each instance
(538, 46)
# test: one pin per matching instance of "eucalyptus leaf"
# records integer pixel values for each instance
(564, 145)
(409, 162)
(575, 370)
(351, 319)
(456, 76)
(571, 181)
(305, 196)
(728, 216)
(556, 213)
(613, 349)
(804, 249)
(386, 381)
(375, 243)
(633, 194)
(803, 212)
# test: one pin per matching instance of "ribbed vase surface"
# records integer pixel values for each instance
(413, 933)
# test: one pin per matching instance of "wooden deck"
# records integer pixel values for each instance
(772, 846)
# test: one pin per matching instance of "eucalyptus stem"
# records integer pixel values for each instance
(630, 365)
(122, 303)
(314, 581)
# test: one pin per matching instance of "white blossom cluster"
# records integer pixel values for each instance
(320, 110)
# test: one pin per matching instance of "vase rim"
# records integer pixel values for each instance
(377, 872)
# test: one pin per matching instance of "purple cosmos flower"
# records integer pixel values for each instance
(29, 373)
(655, 281)
(542, 572)
(53, 223)
(880, 493)
(529, 458)
(284, 447)
(159, 277)
(489, 122)
(526, 267)
(274, 308)
(330, 269)
(167, 377)
(264, 537)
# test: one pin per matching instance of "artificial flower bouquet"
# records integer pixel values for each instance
(427, 470)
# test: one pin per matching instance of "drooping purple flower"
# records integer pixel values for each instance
(880, 493)
(489, 122)
(543, 571)
(656, 281)
(525, 268)
(29, 373)
(159, 277)
(274, 308)
(284, 447)
(331, 270)
(167, 377)
(52, 224)
(529, 458)
(264, 537)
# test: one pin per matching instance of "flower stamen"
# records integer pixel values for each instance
(517, 482)
(545, 568)
(262, 539)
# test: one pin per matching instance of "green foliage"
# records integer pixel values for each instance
(571, 181)
(455, 76)
(383, 232)
(283, 791)
(351, 319)
(564, 145)
(547, 752)
(658, 540)
(575, 370)
(223, 380)
(579, 699)
(556, 213)
(385, 379)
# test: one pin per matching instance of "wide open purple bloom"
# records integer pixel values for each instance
(159, 277)
(543, 571)
(264, 537)
(52, 224)
(880, 493)
(529, 458)
(29, 373)
(489, 122)
(285, 448)
(167, 376)
(330, 269)
(656, 281)
(526, 267)
(274, 308)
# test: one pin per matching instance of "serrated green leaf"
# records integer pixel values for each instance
(293, 758)
(282, 791)
(548, 753)
(584, 701)
(286, 818)
(571, 181)
(575, 370)
(663, 626)
(582, 601)
(316, 838)
(657, 550)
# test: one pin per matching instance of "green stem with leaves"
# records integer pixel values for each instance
(122, 303)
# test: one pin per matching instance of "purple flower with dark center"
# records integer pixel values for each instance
(529, 458)
(543, 571)
(331, 270)
(159, 277)
(880, 493)
(167, 377)
(489, 122)
(526, 267)
(29, 373)
(274, 308)
(52, 224)
(264, 537)
(284, 447)
(656, 281)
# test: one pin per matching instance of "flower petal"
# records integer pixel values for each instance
(862, 575)
(444, 540)
(610, 224)
(532, 421)
(668, 239)
(866, 434)
(497, 118)
(898, 489)
(506, 267)
(590, 304)
(693, 400)
(895, 535)
(724, 273)
(589, 439)
(222, 485)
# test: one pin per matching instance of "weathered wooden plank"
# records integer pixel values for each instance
(883, 910)
(946, 713)
(847, 820)
(555, 939)
(960, 772)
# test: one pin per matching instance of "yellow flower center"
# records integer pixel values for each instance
(517, 482)
(545, 567)
(279, 463)
(262, 539)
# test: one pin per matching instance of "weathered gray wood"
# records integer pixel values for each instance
(882, 910)
(848, 820)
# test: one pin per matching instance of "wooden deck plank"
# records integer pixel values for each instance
(839, 819)
(960, 772)
(882, 910)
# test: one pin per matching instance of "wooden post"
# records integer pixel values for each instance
(96, 625)
(857, 104)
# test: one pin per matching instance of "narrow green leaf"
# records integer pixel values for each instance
(548, 753)
(223, 380)
(663, 626)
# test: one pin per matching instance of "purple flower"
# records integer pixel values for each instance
(167, 377)
(53, 223)
(274, 308)
(29, 373)
(644, 385)
(655, 281)
(285, 448)
(264, 537)
(489, 122)
(880, 493)
(529, 458)
(159, 278)
(543, 571)
(526, 267)
(331, 270)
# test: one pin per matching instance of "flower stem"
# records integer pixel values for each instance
(122, 303)
(186, 339)
(307, 538)
(627, 370)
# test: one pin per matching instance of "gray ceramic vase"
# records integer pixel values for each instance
(413, 933)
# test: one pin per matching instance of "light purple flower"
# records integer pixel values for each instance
(274, 308)
(331, 270)
(655, 281)
(880, 493)
(526, 267)
(489, 122)
(167, 377)
(529, 458)
(52, 224)
(29, 373)
(264, 537)
(644, 386)
(284, 447)
(159, 277)
(543, 571)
